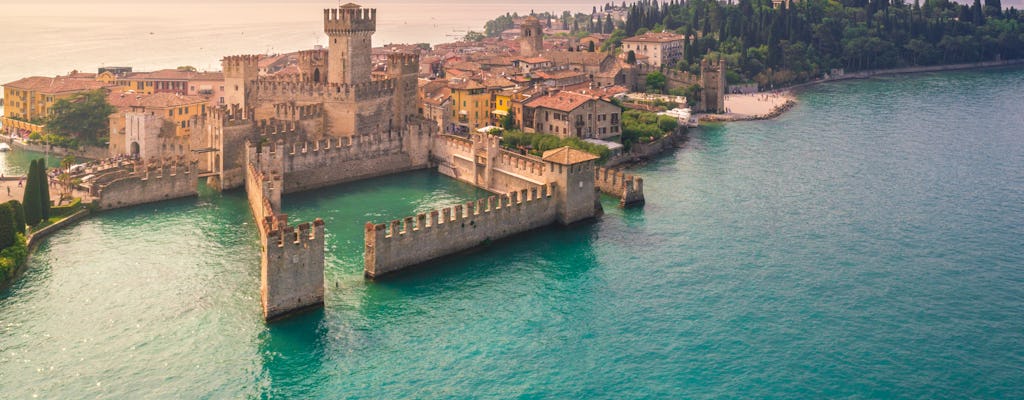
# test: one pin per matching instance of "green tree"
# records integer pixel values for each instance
(19, 216)
(631, 58)
(473, 36)
(656, 81)
(83, 117)
(6, 226)
(43, 183)
(31, 198)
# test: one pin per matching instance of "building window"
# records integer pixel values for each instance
(170, 113)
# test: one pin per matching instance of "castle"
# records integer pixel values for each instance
(335, 122)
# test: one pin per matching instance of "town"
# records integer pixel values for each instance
(534, 117)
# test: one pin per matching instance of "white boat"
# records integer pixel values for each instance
(5, 147)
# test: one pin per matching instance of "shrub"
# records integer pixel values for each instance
(6, 226)
(13, 256)
(31, 199)
(19, 216)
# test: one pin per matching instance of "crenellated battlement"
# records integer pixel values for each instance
(426, 236)
(157, 180)
(522, 164)
(274, 127)
(227, 116)
(349, 18)
(403, 63)
(247, 64)
(628, 188)
(295, 112)
(299, 237)
(310, 91)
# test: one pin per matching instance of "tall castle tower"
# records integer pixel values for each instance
(712, 93)
(404, 68)
(531, 37)
(239, 72)
(349, 29)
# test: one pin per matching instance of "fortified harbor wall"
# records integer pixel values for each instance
(414, 240)
(154, 183)
(629, 189)
(291, 258)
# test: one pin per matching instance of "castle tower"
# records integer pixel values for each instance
(531, 37)
(404, 68)
(313, 64)
(349, 29)
(712, 79)
(572, 172)
(239, 73)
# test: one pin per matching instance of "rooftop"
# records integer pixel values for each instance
(60, 84)
(562, 101)
(568, 156)
(656, 37)
(158, 100)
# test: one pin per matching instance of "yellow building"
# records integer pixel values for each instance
(27, 101)
(154, 125)
(471, 104)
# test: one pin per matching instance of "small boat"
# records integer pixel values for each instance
(5, 147)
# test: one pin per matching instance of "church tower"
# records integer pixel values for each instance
(531, 37)
(349, 29)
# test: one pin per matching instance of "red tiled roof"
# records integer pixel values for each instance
(568, 156)
(56, 85)
(562, 101)
(125, 100)
(657, 37)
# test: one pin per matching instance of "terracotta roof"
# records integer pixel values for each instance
(465, 84)
(568, 156)
(494, 82)
(532, 60)
(657, 37)
(558, 74)
(125, 100)
(561, 101)
(178, 75)
(56, 85)
(576, 57)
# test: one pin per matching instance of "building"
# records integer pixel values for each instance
(712, 94)
(661, 49)
(569, 114)
(436, 102)
(471, 104)
(531, 40)
(27, 101)
(155, 125)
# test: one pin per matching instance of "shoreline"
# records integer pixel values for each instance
(789, 92)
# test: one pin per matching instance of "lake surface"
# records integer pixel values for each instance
(865, 244)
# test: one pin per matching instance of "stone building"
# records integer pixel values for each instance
(531, 40)
(712, 94)
(569, 114)
(154, 125)
(27, 101)
(661, 49)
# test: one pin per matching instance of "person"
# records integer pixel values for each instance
(8, 190)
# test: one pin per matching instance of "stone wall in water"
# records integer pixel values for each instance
(291, 258)
(414, 240)
(154, 183)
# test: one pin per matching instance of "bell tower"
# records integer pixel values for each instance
(531, 37)
(349, 29)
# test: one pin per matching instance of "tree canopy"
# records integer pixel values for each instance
(83, 117)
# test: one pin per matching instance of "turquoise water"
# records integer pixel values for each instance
(865, 244)
(16, 162)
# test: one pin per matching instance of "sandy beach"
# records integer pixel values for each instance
(742, 107)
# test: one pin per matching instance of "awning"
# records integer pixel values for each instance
(500, 112)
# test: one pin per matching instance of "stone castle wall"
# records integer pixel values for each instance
(502, 172)
(291, 258)
(629, 189)
(155, 183)
(415, 240)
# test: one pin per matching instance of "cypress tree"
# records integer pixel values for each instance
(31, 199)
(6, 226)
(19, 216)
(44, 190)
